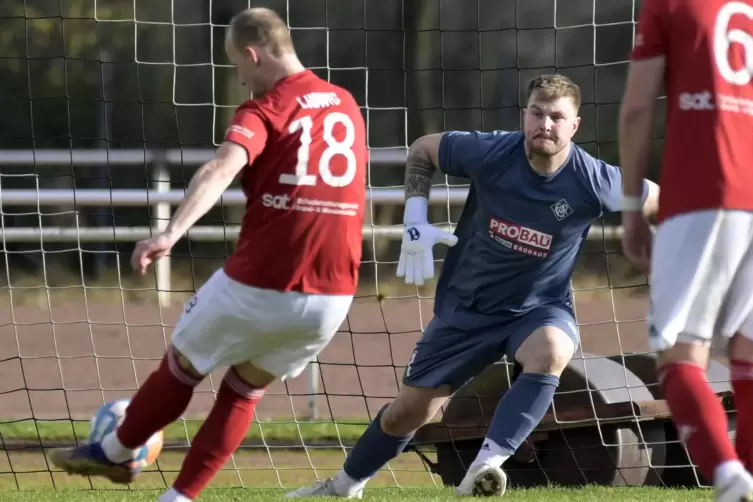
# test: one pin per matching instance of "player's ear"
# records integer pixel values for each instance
(576, 125)
(252, 54)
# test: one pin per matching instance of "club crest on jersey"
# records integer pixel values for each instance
(561, 209)
(519, 238)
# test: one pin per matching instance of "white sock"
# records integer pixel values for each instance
(345, 485)
(172, 495)
(490, 454)
(115, 451)
(726, 471)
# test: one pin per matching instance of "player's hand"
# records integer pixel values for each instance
(637, 240)
(417, 252)
(150, 250)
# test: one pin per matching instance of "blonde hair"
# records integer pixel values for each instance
(553, 87)
(261, 27)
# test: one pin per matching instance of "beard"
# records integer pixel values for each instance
(543, 147)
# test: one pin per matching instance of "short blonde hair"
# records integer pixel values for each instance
(262, 27)
(553, 87)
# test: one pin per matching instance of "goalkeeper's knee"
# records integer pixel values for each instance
(412, 408)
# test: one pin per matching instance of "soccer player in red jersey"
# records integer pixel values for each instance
(701, 258)
(300, 149)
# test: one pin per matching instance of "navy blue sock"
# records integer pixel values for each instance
(521, 409)
(373, 450)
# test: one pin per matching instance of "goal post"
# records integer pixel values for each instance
(109, 109)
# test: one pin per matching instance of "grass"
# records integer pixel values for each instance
(257, 467)
(261, 474)
(291, 432)
(591, 494)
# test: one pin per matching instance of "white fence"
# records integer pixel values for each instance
(162, 198)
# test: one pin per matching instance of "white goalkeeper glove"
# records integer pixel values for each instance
(417, 252)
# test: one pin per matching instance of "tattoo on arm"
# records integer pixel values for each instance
(419, 171)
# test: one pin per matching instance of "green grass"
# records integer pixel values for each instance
(258, 467)
(590, 494)
(26, 476)
(288, 431)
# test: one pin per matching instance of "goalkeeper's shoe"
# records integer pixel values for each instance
(323, 488)
(738, 488)
(483, 481)
(90, 460)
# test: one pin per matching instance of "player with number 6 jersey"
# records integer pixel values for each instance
(701, 257)
(300, 149)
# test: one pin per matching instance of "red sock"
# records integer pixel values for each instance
(159, 402)
(741, 373)
(220, 434)
(698, 415)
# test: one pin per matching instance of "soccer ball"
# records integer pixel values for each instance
(109, 416)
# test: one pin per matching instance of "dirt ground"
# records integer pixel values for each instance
(62, 361)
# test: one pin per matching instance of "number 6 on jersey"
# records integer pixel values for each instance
(335, 147)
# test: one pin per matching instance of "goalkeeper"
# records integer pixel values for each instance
(505, 285)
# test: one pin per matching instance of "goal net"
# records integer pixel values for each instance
(110, 106)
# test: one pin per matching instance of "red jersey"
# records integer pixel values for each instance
(708, 148)
(305, 188)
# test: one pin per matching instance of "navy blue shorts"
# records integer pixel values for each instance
(446, 355)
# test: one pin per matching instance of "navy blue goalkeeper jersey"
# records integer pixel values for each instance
(520, 232)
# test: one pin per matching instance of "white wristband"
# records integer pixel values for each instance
(416, 210)
(632, 203)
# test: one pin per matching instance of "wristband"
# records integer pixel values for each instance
(416, 210)
(632, 203)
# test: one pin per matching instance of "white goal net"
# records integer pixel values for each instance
(110, 106)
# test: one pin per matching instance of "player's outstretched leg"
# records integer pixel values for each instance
(160, 401)
(220, 434)
(543, 354)
(384, 439)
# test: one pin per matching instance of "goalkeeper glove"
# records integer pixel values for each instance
(416, 263)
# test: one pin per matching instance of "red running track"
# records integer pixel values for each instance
(48, 368)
